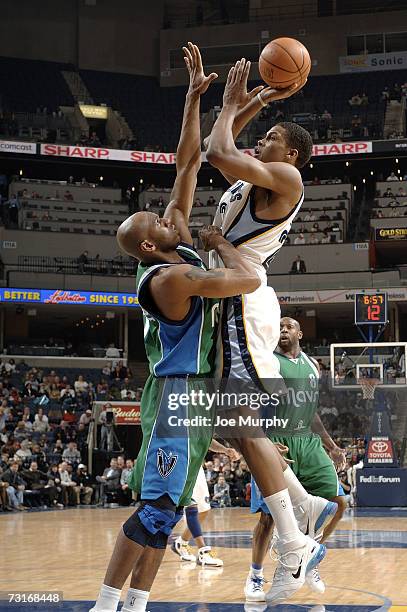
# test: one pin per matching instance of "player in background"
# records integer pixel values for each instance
(178, 296)
(196, 513)
(304, 443)
(256, 215)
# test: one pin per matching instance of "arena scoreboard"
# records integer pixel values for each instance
(370, 308)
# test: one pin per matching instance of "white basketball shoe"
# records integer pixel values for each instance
(254, 588)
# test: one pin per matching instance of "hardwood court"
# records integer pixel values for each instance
(68, 551)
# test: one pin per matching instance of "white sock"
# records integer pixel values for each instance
(181, 541)
(136, 601)
(281, 510)
(297, 492)
(108, 599)
(256, 572)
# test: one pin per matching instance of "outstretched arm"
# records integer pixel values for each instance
(188, 160)
(222, 153)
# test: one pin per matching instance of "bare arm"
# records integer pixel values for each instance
(188, 159)
(280, 177)
(337, 454)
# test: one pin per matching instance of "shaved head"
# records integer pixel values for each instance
(147, 237)
(290, 336)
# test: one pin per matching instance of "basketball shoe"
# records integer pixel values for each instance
(291, 571)
(314, 515)
(207, 557)
(183, 549)
(314, 581)
(254, 588)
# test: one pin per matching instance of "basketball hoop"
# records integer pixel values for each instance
(368, 386)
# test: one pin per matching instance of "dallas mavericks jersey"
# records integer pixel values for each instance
(258, 240)
(300, 403)
(177, 348)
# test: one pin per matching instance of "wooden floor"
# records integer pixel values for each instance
(68, 550)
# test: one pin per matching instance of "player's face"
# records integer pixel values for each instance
(162, 233)
(273, 146)
(290, 333)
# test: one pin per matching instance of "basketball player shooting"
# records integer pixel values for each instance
(256, 215)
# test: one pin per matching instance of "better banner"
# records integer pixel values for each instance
(64, 297)
(373, 62)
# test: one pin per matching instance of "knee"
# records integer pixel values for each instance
(151, 524)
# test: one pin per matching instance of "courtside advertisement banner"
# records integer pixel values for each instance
(373, 62)
(153, 157)
(71, 297)
(10, 146)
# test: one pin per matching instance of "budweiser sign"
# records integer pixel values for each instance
(126, 413)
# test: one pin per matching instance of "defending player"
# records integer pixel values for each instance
(256, 214)
(311, 463)
(176, 293)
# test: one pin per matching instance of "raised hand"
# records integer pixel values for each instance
(210, 236)
(268, 94)
(236, 85)
(198, 82)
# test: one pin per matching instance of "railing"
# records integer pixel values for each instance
(72, 265)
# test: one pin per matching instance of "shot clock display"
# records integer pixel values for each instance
(370, 308)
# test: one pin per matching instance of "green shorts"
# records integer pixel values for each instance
(176, 439)
(312, 465)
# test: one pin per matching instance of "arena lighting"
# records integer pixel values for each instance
(133, 189)
(21, 172)
(399, 171)
(210, 181)
(141, 181)
(100, 178)
(354, 187)
(371, 173)
(364, 181)
(311, 165)
(347, 164)
(397, 160)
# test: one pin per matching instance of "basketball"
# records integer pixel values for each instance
(283, 62)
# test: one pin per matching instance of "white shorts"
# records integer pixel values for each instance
(200, 494)
(250, 331)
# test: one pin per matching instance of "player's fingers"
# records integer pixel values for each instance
(193, 53)
(255, 91)
(188, 64)
(198, 57)
(241, 68)
(187, 54)
(229, 80)
(212, 77)
(246, 71)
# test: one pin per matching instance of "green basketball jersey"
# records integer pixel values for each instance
(178, 348)
(300, 404)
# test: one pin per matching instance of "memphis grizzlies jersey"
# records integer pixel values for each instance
(300, 403)
(257, 239)
(177, 348)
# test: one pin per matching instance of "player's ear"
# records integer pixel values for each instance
(147, 247)
(292, 156)
(300, 335)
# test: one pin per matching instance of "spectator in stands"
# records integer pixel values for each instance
(309, 216)
(15, 486)
(83, 260)
(315, 227)
(81, 385)
(68, 485)
(315, 181)
(41, 424)
(83, 489)
(67, 392)
(298, 266)
(356, 124)
(402, 192)
(221, 492)
(364, 100)
(197, 203)
(86, 417)
(326, 115)
(385, 94)
(71, 454)
(68, 196)
(355, 100)
(126, 491)
(94, 140)
(110, 478)
(325, 238)
(112, 353)
(127, 392)
(37, 481)
(314, 239)
(54, 478)
(392, 177)
(211, 201)
(300, 240)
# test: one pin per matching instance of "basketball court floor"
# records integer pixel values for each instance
(67, 551)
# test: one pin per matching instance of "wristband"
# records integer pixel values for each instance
(260, 99)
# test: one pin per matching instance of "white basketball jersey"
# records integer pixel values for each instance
(257, 239)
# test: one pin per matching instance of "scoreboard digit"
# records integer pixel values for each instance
(370, 308)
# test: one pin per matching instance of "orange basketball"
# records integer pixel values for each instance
(283, 62)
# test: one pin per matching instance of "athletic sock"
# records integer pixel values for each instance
(297, 492)
(136, 601)
(281, 510)
(108, 599)
(256, 570)
(182, 541)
